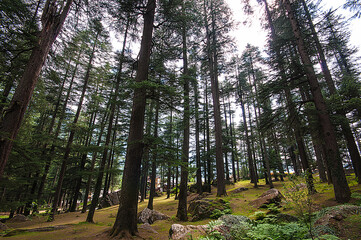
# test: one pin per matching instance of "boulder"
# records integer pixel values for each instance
(201, 209)
(150, 216)
(114, 197)
(180, 232)
(195, 197)
(271, 196)
(110, 199)
(232, 220)
(329, 216)
(332, 220)
(238, 190)
(228, 222)
(147, 227)
(3, 227)
(19, 218)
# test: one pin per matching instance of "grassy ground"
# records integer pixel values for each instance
(104, 218)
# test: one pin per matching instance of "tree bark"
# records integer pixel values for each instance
(213, 71)
(249, 151)
(154, 158)
(345, 125)
(53, 18)
(198, 149)
(98, 184)
(126, 221)
(183, 187)
(341, 188)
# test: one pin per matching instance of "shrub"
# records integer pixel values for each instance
(273, 208)
(270, 231)
(259, 215)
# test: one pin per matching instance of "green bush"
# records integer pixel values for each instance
(273, 208)
(216, 213)
(259, 215)
(267, 231)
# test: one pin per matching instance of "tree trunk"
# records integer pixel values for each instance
(198, 149)
(345, 125)
(72, 134)
(249, 151)
(169, 161)
(82, 164)
(183, 187)
(126, 221)
(213, 71)
(52, 20)
(209, 163)
(154, 158)
(49, 156)
(341, 188)
(98, 184)
(145, 158)
(92, 164)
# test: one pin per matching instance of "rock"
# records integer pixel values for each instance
(270, 196)
(180, 232)
(110, 199)
(201, 209)
(195, 197)
(337, 213)
(114, 197)
(146, 226)
(150, 216)
(3, 227)
(19, 218)
(331, 220)
(232, 220)
(238, 190)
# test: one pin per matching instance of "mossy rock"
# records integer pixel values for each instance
(202, 209)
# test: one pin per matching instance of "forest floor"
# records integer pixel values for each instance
(73, 225)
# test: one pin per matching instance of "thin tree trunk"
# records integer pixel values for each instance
(145, 159)
(209, 163)
(92, 164)
(198, 149)
(154, 158)
(57, 131)
(99, 181)
(249, 151)
(226, 164)
(170, 145)
(82, 164)
(72, 134)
